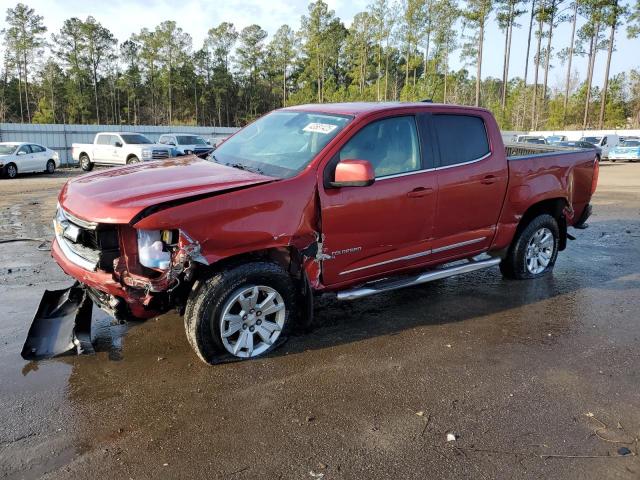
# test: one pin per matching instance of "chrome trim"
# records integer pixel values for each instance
(71, 255)
(406, 257)
(456, 245)
(416, 255)
(465, 163)
(87, 225)
(418, 279)
(405, 174)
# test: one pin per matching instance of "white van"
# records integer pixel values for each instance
(605, 142)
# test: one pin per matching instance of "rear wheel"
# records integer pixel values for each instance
(11, 171)
(51, 167)
(244, 312)
(85, 163)
(534, 251)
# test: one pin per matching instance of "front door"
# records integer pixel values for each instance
(386, 226)
(472, 183)
(25, 159)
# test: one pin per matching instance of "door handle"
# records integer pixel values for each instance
(489, 179)
(420, 192)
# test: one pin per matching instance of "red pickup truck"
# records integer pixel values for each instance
(355, 199)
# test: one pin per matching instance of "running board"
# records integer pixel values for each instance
(425, 277)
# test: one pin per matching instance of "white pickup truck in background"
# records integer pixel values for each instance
(118, 148)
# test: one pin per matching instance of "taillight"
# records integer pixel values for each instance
(596, 172)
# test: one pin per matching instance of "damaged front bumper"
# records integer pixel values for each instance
(62, 324)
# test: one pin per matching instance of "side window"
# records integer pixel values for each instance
(37, 149)
(103, 139)
(25, 148)
(604, 141)
(461, 138)
(114, 139)
(391, 145)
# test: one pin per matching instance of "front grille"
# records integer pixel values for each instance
(159, 154)
(95, 243)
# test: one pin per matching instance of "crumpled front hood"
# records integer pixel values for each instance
(116, 195)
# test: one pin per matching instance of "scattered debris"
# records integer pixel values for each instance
(12, 240)
(316, 475)
(61, 324)
(310, 418)
(448, 345)
(624, 451)
(452, 437)
(420, 413)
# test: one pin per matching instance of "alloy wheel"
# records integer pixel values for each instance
(252, 320)
(539, 251)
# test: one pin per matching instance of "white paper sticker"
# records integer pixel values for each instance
(320, 128)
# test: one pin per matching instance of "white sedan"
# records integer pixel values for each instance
(22, 157)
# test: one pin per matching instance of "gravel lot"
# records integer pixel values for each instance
(537, 379)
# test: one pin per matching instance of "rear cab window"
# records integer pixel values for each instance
(103, 140)
(461, 139)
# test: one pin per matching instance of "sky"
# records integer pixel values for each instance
(124, 17)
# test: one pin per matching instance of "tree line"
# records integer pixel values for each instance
(394, 50)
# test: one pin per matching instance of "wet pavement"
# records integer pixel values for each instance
(536, 379)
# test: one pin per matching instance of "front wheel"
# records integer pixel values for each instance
(244, 312)
(11, 171)
(534, 251)
(51, 167)
(132, 159)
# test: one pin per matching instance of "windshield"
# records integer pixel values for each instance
(7, 149)
(281, 143)
(135, 138)
(631, 143)
(190, 140)
(593, 140)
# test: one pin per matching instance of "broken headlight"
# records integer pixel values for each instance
(154, 248)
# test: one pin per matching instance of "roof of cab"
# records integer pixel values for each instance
(362, 108)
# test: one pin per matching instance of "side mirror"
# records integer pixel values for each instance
(171, 143)
(354, 173)
(118, 144)
(22, 152)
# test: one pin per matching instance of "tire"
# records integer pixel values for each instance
(51, 167)
(530, 250)
(612, 160)
(240, 335)
(598, 159)
(10, 171)
(132, 159)
(85, 163)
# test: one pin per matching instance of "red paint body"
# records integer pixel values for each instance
(363, 232)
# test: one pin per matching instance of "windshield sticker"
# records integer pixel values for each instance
(324, 128)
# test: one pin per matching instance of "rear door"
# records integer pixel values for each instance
(472, 180)
(40, 157)
(102, 149)
(386, 226)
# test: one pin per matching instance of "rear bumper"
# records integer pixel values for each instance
(103, 282)
(586, 213)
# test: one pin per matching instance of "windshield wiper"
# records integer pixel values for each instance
(241, 166)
